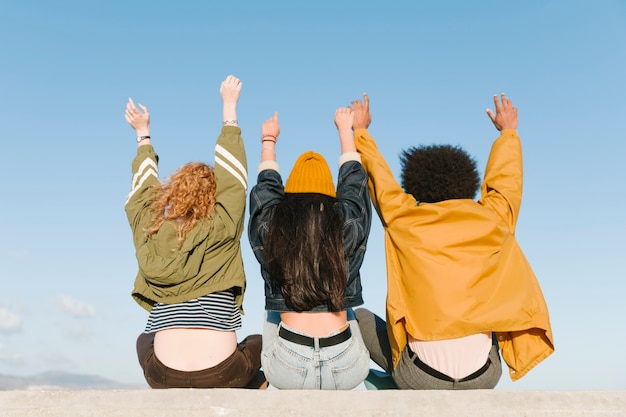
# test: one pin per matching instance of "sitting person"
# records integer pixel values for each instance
(310, 240)
(191, 277)
(458, 285)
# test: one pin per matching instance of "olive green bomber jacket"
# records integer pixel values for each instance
(210, 258)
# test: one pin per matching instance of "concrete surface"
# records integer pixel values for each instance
(233, 403)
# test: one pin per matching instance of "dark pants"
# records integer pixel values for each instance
(407, 375)
(239, 370)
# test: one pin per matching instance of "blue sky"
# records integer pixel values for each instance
(430, 69)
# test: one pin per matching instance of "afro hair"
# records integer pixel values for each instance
(439, 172)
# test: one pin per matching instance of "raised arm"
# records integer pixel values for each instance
(268, 191)
(502, 187)
(269, 136)
(231, 166)
(230, 90)
(352, 193)
(343, 121)
(138, 120)
(387, 196)
(145, 172)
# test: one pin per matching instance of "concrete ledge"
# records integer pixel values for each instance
(274, 403)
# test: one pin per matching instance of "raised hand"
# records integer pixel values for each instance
(362, 115)
(270, 129)
(138, 120)
(230, 89)
(506, 114)
(344, 118)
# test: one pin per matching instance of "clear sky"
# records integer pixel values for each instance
(430, 69)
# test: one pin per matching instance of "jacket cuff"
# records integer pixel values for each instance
(268, 165)
(349, 156)
(508, 132)
(231, 129)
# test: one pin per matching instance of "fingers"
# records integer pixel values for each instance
(134, 116)
(507, 104)
(343, 111)
(491, 115)
(501, 103)
(232, 82)
(130, 107)
(130, 110)
(273, 119)
(496, 102)
(365, 103)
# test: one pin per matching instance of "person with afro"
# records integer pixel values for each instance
(460, 291)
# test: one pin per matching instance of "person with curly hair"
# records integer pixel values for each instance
(310, 240)
(459, 288)
(191, 279)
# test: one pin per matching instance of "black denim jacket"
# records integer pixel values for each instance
(352, 195)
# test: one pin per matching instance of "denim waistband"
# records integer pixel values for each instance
(310, 341)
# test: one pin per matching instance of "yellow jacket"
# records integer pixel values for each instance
(454, 268)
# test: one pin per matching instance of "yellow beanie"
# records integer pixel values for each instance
(310, 174)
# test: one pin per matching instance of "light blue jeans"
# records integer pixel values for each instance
(288, 365)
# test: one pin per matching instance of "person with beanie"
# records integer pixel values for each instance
(191, 279)
(459, 288)
(310, 239)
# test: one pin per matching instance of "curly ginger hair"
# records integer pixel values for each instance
(187, 196)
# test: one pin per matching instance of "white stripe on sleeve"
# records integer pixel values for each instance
(150, 172)
(231, 164)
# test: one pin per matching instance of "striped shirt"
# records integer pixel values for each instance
(216, 311)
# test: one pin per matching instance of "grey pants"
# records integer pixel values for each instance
(407, 375)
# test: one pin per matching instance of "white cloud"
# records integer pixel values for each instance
(9, 321)
(75, 308)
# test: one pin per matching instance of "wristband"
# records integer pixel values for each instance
(267, 135)
(231, 122)
(140, 138)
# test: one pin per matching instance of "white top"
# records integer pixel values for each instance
(456, 358)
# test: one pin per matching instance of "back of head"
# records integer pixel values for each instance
(310, 174)
(304, 247)
(439, 172)
(186, 197)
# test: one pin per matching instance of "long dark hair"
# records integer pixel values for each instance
(304, 251)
